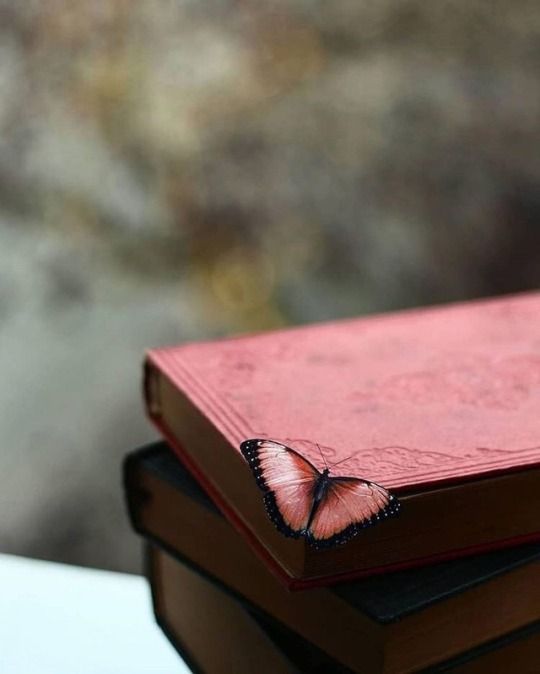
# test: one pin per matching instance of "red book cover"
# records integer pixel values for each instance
(423, 400)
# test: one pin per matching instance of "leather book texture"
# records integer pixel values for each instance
(418, 397)
(438, 405)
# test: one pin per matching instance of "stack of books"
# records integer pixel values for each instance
(438, 406)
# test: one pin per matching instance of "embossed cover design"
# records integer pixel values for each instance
(421, 397)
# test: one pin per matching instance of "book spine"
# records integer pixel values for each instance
(151, 389)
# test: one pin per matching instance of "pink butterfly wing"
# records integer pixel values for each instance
(349, 505)
(287, 480)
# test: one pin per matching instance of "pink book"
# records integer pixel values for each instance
(440, 406)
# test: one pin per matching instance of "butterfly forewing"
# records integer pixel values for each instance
(288, 481)
(349, 505)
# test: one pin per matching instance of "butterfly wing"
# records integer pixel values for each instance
(288, 481)
(349, 505)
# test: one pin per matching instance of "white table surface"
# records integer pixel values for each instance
(59, 619)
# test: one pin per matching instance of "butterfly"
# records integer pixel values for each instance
(303, 501)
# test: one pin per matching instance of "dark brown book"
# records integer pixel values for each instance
(385, 624)
(438, 405)
(216, 634)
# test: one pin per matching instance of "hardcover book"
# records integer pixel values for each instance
(387, 624)
(216, 634)
(439, 405)
(211, 631)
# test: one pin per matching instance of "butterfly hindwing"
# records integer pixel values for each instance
(349, 505)
(288, 481)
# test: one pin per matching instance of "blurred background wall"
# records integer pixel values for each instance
(182, 170)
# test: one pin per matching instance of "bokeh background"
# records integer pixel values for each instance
(178, 170)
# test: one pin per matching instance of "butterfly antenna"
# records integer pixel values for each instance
(323, 457)
(345, 459)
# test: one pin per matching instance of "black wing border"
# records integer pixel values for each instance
(250, 449)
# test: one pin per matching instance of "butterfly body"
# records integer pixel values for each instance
(304, 502)
(319, 492)
(321, 485)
